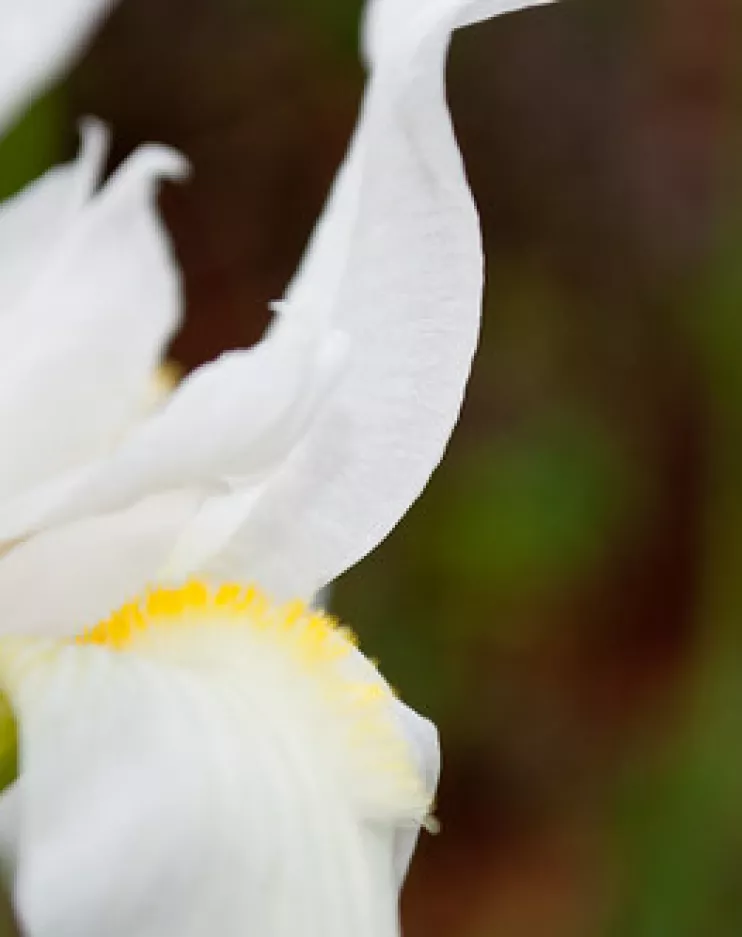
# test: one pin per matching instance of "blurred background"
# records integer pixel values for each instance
(566, 599)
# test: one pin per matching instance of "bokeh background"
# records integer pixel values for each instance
(566, 599)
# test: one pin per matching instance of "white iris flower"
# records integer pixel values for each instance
(207, 760)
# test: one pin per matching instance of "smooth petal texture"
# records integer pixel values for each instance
(230, 422)
(225, 429)
(37, 41)
(310, 467)
(396, 262)
(86, 340)
(33, 223)
(193, 789)
(424, 746)
(422, 737)
(71, 576)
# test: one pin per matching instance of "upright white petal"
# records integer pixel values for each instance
(38, 38)
(33, 223)
(79, 352)
(396, 263)
(310, 467)
(211, 777)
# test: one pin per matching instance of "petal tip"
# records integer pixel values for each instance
(94, 141)
(154, 161)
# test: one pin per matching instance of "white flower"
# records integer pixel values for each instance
(205, 761)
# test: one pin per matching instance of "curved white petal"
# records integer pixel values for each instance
(201, 784)
(33, 222)
(396, 262)
(87, 337)
(37, 41)
(305, 482)
(72, 575)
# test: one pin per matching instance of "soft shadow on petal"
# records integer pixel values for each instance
(68, 578)
(226, 428)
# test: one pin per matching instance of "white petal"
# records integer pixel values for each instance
(422, 737)
(86, 340)
(187, 790)
(225, 427)
(37, 41)
(34, 221)
(67, 578)
(396, 262)
(410, 20)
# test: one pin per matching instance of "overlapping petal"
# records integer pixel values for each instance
(193, 789)
(304, 483)
(37, 41)
(55, 582)
(225, 428)
(79, 350)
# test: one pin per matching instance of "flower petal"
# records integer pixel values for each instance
(422, 736)
(34, 221)
(37, 42)
(87, 337)
(191, 788)
(396, 262)
(73, 575)
(309, 469)
(225, 428)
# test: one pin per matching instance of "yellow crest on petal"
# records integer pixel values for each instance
(299, 662)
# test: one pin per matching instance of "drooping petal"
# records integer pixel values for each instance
(214, 774)
(87, 338)
(37, 41)
(396, 262)
(34, 221)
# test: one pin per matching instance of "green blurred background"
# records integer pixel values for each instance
(566, 599)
